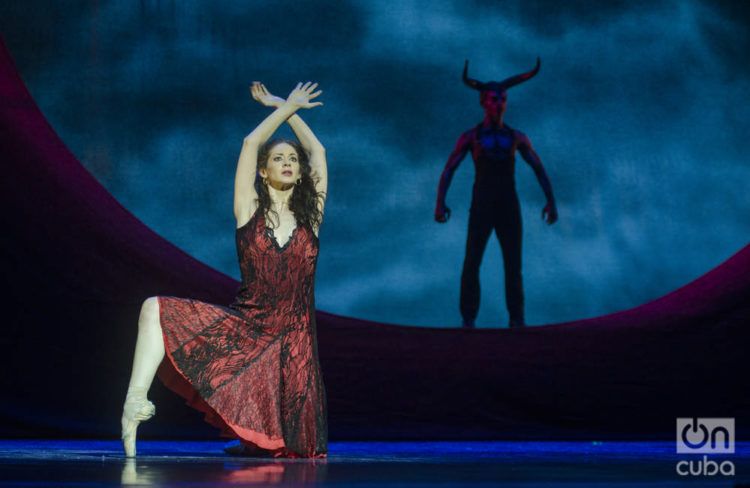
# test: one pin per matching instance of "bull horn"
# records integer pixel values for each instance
(471, 82)
(517, 79)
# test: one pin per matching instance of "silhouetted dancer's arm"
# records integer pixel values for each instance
(442, 213)
(549, 212)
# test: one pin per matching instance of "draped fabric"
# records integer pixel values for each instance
(254, 364)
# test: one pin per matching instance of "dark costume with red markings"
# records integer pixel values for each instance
(494, 203)
(494, 206)
(252, 367)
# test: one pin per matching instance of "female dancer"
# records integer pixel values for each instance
(252, 367)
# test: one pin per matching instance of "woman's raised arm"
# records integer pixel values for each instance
(245, 197)
(317, 155)
(306, 137)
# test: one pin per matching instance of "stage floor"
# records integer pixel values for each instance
(362, 464)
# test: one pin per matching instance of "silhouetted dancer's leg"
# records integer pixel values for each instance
(480, 228)
(509, 233)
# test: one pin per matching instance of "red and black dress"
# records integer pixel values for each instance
(252, 367)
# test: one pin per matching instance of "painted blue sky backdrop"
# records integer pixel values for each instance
(639, 114)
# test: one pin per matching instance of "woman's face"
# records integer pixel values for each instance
(283, 167)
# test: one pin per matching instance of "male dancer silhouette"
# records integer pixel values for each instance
(494, 203)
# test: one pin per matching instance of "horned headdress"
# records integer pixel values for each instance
(499, 86)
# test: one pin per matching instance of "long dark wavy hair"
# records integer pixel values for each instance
(305, 202)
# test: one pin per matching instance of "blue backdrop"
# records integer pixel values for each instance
(639, 114)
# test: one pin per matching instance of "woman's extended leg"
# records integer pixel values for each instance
(149, 352)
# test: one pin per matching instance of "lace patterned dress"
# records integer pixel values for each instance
(252, 367)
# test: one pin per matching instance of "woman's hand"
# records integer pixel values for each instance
(302, 95)
(263, 96)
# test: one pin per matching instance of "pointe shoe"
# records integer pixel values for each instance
(137, 409)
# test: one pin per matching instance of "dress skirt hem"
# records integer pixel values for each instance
(174, 379)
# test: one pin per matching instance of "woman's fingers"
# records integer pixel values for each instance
(309, 87)
(302, 94)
